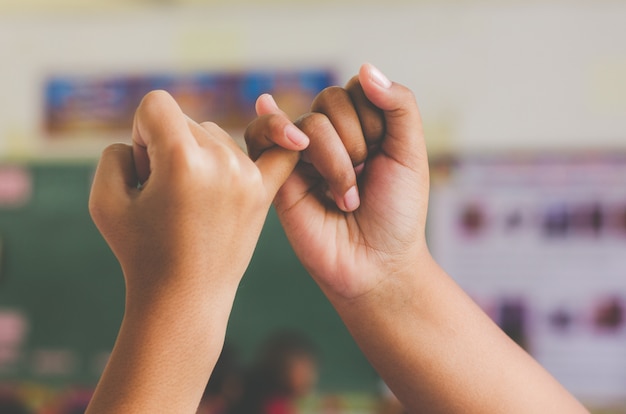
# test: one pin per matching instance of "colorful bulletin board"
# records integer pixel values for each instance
(90, 107)
(539, 241)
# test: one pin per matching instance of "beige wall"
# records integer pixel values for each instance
(488, 76)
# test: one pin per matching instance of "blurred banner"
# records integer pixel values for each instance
(95, 107)
(540, 242)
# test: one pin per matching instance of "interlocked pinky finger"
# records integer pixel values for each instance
(273, 130)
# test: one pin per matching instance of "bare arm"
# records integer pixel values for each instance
(435, 348)
(184, 240)
(440, 353)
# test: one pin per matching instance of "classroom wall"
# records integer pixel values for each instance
(488, 75)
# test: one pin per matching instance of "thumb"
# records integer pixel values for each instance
(160, 128)
(113, 181)
(404, 136)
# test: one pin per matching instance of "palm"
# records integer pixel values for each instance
(346, 252)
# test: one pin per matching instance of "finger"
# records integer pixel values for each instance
(276, 165)
(159, 128)
(371, 118)
(302, 191)
(403, 126)
(336, 104)
(330, 158)
(271, 130)
(142, 162)
(265, 104)
(114, 179)
(274, 142)
(210, 130)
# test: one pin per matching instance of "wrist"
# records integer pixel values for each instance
(180, 301)
(389, 280)
(166, 348)
(180, 288)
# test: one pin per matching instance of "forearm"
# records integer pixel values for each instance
(440, 353)
(164, 354)
(184, 240)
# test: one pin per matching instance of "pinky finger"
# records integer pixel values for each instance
(265, 105)
(296, 139)
(272, 128)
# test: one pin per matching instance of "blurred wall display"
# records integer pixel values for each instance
(539, 241)
(89, 107)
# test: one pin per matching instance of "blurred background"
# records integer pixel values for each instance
(524, 108)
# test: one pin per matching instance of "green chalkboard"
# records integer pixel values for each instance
(59, 273)
(61, 276)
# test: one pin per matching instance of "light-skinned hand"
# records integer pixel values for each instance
(181, 209)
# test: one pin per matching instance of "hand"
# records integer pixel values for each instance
(378, 229)
(428, 340)
(182, 209)
(195, 218)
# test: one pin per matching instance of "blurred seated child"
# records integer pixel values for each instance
(285, 370)
(10, 403)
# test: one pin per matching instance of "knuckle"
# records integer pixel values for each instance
(115, 149)
(224, 165)
(327, 97)
(210, 126)
(179, 154)
(276, 124)
(373, 129)
(242, 181)
(99, 209)
(183, 166)
(353, 83)
(254, 179)
(343, 179)
(95, 210)
(358, 154)
(230, 163)
(264, 131)
(250, 134)
(152, 103)
(315, 124)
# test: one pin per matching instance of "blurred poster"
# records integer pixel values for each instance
(14, 327)
(540, 243)
(97, 106)
(16, 186)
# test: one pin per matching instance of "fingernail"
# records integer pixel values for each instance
(296, 136)
(378, 78)
(271, 100)
(359, 169)
(351, 199)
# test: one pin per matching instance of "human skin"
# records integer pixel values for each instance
(185, 236)
(181, 209)
(430, 342)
